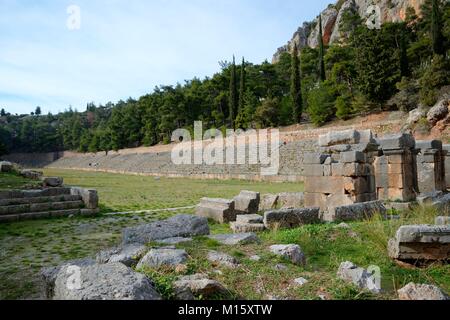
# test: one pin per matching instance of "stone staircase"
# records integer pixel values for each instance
(19, 205)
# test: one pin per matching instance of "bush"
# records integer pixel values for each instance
(321, 104)
(407, 98)
(436, 75)
(267, 114)
(343, 108)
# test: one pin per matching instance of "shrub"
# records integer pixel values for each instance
(436, 75)
(321, 104)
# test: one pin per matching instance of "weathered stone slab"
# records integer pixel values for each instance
(421, 292)
(89, 196)
(31, 174)
(238, 227)
(291, 200)
(247, 202)
(338, 138)
(235, 239)
(397, 142)
(249, 218)
(113, 281)
(421, 243)
(291, 218)
(53, 182)
(178, 226)
(6, 166)
(220, 210)
(355, 212)
(268, 202)
(222, 259)
(353, 157)
(174, 241)
(292, 252)
(360, 277)
(315, 158)
(163, 257)
(129, 255)
(189, 287)
(330, 185)
(429, 145)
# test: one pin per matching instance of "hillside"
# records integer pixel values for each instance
(333, 17)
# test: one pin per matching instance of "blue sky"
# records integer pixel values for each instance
(124, 48)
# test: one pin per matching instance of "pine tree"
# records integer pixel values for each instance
(436, 29)
(296, 89)
(233, 95)
(2, 113)
(322, 75)
(242, 88)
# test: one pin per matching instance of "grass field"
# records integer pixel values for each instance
(25, 247)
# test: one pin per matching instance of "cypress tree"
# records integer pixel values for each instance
(296, 89)
(233, 95)
(436, 29)
(242, 87)
(322, 75)
(404, 63)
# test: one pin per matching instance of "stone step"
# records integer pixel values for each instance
(47, 214)
(19, 194)
(20, 201)
(40, 207)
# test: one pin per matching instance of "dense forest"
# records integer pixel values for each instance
(398, 67)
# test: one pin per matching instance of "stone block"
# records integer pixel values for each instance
(355, 212)
(291, 218)
(239, 227)
(353, 157)
(315, 200)
(291, 200)
(89, 197)
(397, 142)
(329, 185)
(249, 218)
(268, 202)
(338, 138)
(421, 243)
(220, 210)
(6, 166)
(429, 145)
(315, 158)
(247, 202)
(313, 170)
(357, 170)
(53, 182)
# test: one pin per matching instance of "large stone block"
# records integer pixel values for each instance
(291, 218)
(347, 137)
(353, 157)
(355, 212)
(6, 166)
(429, 145)
(421, 243)
(89, 197)
(268, 202)
(291, 200)
(247, 202)
(314, 170)
(315, 200)
(330, 185)
(397, 141)
(315, 158)
(220, 210)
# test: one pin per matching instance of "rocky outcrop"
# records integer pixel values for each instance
(332, 17)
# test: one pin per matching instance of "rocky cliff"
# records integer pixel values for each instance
(307, 34)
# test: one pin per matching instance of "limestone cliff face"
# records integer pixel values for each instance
(307, 35)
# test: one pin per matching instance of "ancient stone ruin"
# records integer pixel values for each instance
(342, 174)
(53, 200)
